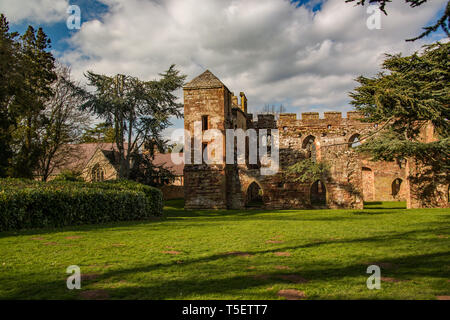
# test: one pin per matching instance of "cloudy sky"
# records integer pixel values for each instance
(303, 54)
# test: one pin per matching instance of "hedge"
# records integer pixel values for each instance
(32, 204)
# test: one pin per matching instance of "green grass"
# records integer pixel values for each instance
(330, 248)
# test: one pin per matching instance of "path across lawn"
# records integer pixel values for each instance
(292, 254)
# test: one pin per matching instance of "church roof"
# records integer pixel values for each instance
(207, 80)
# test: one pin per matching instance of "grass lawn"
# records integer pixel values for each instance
(236, 255)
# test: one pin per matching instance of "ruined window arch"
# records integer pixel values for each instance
(354, 141)
(97, 173)
(401, 163)
(318, 194)
(396, 184)
(309, 144)
(254, 195)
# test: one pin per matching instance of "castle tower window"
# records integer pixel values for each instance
(204, 123)
(309, 145)
(396, 184)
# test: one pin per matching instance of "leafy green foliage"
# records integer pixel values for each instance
(33, 204)
(307, 170)
(9, 89)
(68, 175)
(102, 132)
(146, 172)
(414, 93)
(416, 88)
(37, 65)
(138, 110)
(27, 68)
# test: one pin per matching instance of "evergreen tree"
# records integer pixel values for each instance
(38, 73)
(414, 92)
(101, 133)
(138, 110)
(10, 80)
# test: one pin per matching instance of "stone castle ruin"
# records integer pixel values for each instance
(352, 178)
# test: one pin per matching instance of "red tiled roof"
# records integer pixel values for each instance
(165, 159)
(82, 153)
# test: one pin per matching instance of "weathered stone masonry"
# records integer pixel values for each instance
(353, 178)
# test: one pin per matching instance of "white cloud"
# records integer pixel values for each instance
(270, 49)
(41, 11)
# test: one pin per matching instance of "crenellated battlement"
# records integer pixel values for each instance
(314, 116)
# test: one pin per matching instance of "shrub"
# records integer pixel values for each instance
(33, 204)
(69, 175)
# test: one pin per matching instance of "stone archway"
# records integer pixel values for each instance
(309, 145)
(318, 194)
(354, 141)
(254, 195)
(396, 185)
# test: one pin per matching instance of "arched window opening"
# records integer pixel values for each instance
(401, 163)
(318, 194)
(396, 184)
(97, 173)
(254, 195)
(354, 141)
(309, 145)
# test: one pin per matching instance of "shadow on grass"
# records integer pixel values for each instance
(174, 211)
(385, 205)
(406, 267)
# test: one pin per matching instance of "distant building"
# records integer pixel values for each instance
(100, 162)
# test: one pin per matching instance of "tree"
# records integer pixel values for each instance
(101, 133)
(146, 172)
(37, 67)
(272, 109)
(61, 124)
(308, 170)
(443, 22)
(413, 93)
(10, 79)
(138, 110)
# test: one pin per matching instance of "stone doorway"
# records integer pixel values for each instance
(254, 196)
(368, 184)
(318, 194)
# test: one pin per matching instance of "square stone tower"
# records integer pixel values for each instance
(207, 102)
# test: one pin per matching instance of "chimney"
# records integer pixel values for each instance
(243, 102)
(234, 100)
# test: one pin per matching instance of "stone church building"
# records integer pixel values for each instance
(353, 178)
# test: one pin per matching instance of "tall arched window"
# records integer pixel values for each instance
(309, 145)
(396, 184)
(354, 141)
(97, 173)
